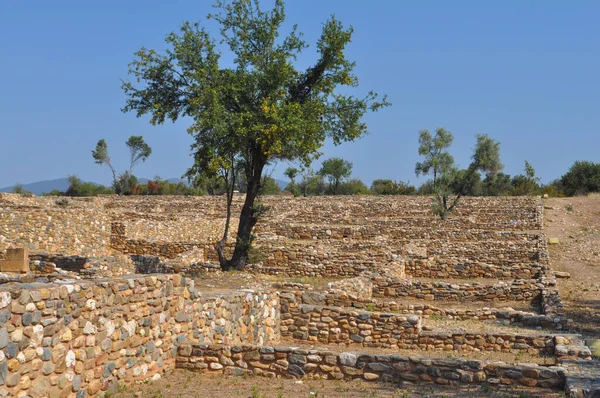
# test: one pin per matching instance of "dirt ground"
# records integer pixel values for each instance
(576, 224)
(186, 384)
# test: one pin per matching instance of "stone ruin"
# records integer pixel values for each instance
(101, 292)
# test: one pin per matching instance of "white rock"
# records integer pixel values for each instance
(70, 359)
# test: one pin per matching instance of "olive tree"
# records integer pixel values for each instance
(138, 151)
(453, 183)
(257, 109)
(435, 151)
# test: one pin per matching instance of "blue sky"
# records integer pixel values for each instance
(525, 72)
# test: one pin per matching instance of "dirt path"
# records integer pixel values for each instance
(575, 222)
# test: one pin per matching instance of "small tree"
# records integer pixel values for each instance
(336, 170)
(452, 183)
(525, 184)
(434, 149)
(291, 173)
(138, 151)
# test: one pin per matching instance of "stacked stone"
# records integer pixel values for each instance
(317, 364)
(518, 290)
(335, 325)
(86, 337)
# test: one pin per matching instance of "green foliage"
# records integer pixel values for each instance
(312, 185)
(262, 108)
(18, 188)
(80, 188)
(268, 186)
(525, 184)
(466, 181)
(434, 149)
(54, 192)
(336, 170)
(582, 178)
(291, 173)
(389, 187)
(123, 183)
(353, 186)
(498, 184)
(453, 183)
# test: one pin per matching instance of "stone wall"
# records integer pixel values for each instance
(85, 337)
(318, 364)
(337, 325)
(486, 237)
(518, 290)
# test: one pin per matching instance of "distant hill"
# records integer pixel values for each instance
(41, 187)
(62, 184)
(282, 184)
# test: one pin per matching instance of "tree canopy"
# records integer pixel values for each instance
(138, 151)
(260, 109)
(453, 183)
(336, 170)
(435, 151)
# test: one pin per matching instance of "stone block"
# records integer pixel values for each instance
(16, 260)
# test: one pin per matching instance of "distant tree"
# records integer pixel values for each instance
(336, 170)
(138, 151)
(583, 177)
(269, 186)
(354, 186)
(257, 108)
(291, 173)
(307, 173)
(498, 184)
(18, 188)
(452, 183)
(435, 151)
(389, 187)
(525, 184)
(80, 188)
(468, 181)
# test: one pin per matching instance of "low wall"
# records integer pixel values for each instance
(442, 268)
(335, 325)
(83, 338)
(519, 290)
(316, 364)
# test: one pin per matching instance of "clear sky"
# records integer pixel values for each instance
(525, 72)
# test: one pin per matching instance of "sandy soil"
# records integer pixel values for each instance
(576, 224)
(186, 384)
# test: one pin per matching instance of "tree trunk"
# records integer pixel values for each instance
(248, 219)
(225, 266)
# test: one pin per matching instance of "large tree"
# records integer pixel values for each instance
(257, 108)
(336, 170)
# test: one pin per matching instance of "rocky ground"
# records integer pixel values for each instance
(575, 224)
